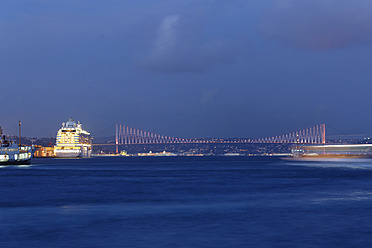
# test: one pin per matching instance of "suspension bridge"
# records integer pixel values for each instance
(127, 135)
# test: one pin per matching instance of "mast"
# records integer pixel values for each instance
(19, 133)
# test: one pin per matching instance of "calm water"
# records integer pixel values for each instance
(186, 202)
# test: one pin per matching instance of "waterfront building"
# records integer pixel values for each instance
(44, 152)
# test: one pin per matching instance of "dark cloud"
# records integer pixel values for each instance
(176, 49)
(319, 24)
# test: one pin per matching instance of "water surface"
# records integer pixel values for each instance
(186, 202)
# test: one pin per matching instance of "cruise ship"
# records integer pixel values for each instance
(72, 141)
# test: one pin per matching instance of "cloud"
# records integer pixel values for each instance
(167, 36)
(177, 49)
(208, 96)
(319, 24)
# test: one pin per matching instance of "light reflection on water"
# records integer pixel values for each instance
(16, 166)
(326, 163)
(345, 197)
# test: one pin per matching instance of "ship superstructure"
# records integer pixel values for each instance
(72, 141)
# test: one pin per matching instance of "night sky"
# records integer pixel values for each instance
(186, 68)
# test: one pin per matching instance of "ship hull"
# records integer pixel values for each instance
(20, 162)
(68, 153)
(73, 153)
(15, 155)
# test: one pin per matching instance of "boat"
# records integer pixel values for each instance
(297, 152)
(333, 151)
(72, 141)
(12, 152)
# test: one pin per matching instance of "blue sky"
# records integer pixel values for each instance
(187, 68)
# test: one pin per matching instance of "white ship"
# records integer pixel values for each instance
(13, 153)
(72, 141)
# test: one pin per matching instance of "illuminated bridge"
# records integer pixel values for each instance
(127, 135)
